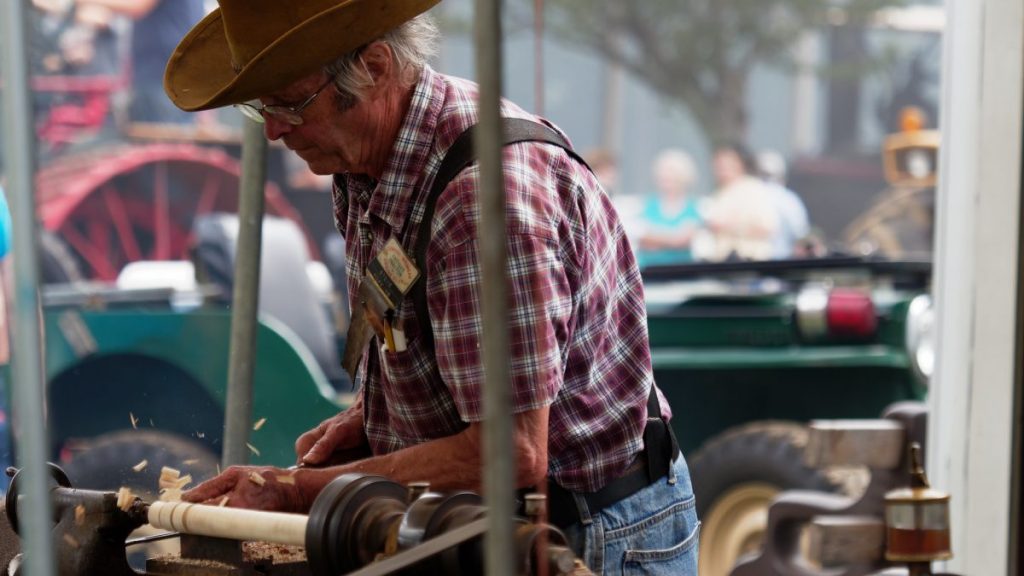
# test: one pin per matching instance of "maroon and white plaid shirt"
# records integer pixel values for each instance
(578, 330)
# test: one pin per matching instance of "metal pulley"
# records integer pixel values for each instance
(917, 519)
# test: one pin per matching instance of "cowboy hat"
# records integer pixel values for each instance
(250, 48)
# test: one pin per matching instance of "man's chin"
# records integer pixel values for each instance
(316, 165)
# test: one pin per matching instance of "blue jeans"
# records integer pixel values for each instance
(654, 531)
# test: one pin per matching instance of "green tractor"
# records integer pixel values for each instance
(137, 370)
(747, 353)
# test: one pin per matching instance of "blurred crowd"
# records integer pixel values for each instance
(751, 214)
(97, 66)
(128, 39)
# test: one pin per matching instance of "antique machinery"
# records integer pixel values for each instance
(917, 530)
(358, 523)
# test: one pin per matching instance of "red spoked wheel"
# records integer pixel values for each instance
(125, 203)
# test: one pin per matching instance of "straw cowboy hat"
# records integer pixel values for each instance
(250, 48)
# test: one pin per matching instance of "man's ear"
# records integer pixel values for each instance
(380, 64)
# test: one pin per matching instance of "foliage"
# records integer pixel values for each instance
(698, 52)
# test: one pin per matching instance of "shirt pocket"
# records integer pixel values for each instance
(420, 407)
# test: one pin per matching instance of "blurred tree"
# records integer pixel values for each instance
(701, 52)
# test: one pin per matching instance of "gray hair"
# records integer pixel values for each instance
(679, 164)
(412, 44)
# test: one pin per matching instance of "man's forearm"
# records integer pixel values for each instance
(448, 463)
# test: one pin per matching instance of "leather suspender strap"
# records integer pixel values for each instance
(460, 155)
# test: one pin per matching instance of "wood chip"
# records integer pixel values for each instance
(71, 541)
(252, 449)
(80, 514)
(190, 461)
(169, 477)
(259, 424)
(224, 501)
(286, 479)
(257, 479)
(141, 466)
(135, 421)
(125, 498)
(183, 481)
(200, 434)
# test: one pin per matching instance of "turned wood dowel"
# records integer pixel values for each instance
(231, 523)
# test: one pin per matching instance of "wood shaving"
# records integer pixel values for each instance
(170, 477)
(135, 421)
(224, 501)
(190, 461)
(257, 479)
(141, 466)
(252, 449)
(125, 498)
(259, 424)
(286, 479)
(80, 514)
(71, 541)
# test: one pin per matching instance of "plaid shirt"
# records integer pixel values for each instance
(578, 330)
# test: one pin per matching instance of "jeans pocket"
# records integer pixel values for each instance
(678, 559)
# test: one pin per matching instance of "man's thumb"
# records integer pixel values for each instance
(317, 453)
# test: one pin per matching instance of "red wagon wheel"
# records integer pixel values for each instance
(126, 203)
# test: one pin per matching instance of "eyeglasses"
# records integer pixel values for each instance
(290, 114)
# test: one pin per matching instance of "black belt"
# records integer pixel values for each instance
(652, 464)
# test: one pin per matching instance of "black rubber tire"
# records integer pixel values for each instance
(748, 462)
(765, 452)
(56, 262)
(105, 462)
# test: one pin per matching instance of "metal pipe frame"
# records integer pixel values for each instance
(29, 384)
(498, 460)
(245, 296)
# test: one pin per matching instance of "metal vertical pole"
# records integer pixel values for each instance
(27, 363)
(499, 465)
(245, 296)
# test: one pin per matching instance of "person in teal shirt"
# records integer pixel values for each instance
(6, 452)
(670, 218)
(5, 226)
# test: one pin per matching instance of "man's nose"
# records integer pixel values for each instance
(274, 128)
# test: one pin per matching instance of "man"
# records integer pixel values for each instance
(741, 213)
(794, 224)
(346, 86)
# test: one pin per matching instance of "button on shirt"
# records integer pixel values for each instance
(578, 331)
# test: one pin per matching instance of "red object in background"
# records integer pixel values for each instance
(80, 117)
(851, 314)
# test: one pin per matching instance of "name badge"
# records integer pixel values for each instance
(393, 272)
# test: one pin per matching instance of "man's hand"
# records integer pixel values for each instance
(243, 488)
(337, 440)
